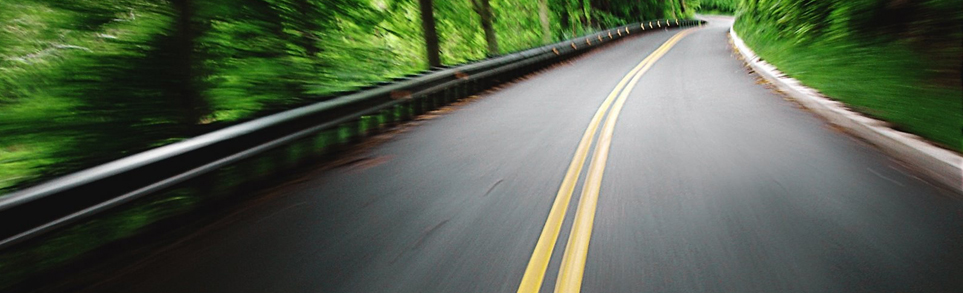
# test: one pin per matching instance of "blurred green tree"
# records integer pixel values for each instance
(83, 82)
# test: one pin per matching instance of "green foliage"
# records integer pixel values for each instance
(577, 17)
(88, 81)
(895, 60)
(83, 82)
(714, 6)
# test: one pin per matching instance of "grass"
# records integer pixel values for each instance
(716, 12)
(884, 80)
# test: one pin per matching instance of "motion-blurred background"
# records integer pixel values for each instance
(84, 82)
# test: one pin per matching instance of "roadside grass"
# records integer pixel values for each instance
(19, 162)
(884, 80)
(716, 12)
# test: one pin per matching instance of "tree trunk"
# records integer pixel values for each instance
(431, 35)
(182, 63)
(682, 6)
(484, 10)
(587, 11)
(308, 28)
(543, 18)
(675, 10)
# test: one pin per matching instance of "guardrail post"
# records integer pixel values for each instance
(245, 172)
(442, 98)
(223, 181)
(365, 123)
(417, 105)
(388, 117)
(294, 153)
(394, 115)
(426, 104)
(404, 111)
(459, 91)
(275, 161)
(430, 102)
(446, 95)
(322, 141)
(470, 87)
(348, 132)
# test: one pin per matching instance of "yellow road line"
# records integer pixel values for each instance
(538, 263)
(576, 250)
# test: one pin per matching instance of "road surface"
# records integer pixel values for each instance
(702, 179)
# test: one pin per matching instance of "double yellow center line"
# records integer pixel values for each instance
(573, 261)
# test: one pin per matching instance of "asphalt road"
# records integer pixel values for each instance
(713, 183)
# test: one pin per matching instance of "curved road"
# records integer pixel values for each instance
(711, 182)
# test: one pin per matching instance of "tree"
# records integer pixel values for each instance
(83, 82)
(183, 63)
(484, 10)
(428, 29)
(543, 19)
(672, 8)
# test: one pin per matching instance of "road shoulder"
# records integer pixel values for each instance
(937, 164)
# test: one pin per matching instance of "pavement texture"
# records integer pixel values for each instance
(713, 183)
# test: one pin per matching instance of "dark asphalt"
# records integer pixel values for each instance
(714, 183)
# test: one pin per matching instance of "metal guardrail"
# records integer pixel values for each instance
(40, 209)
